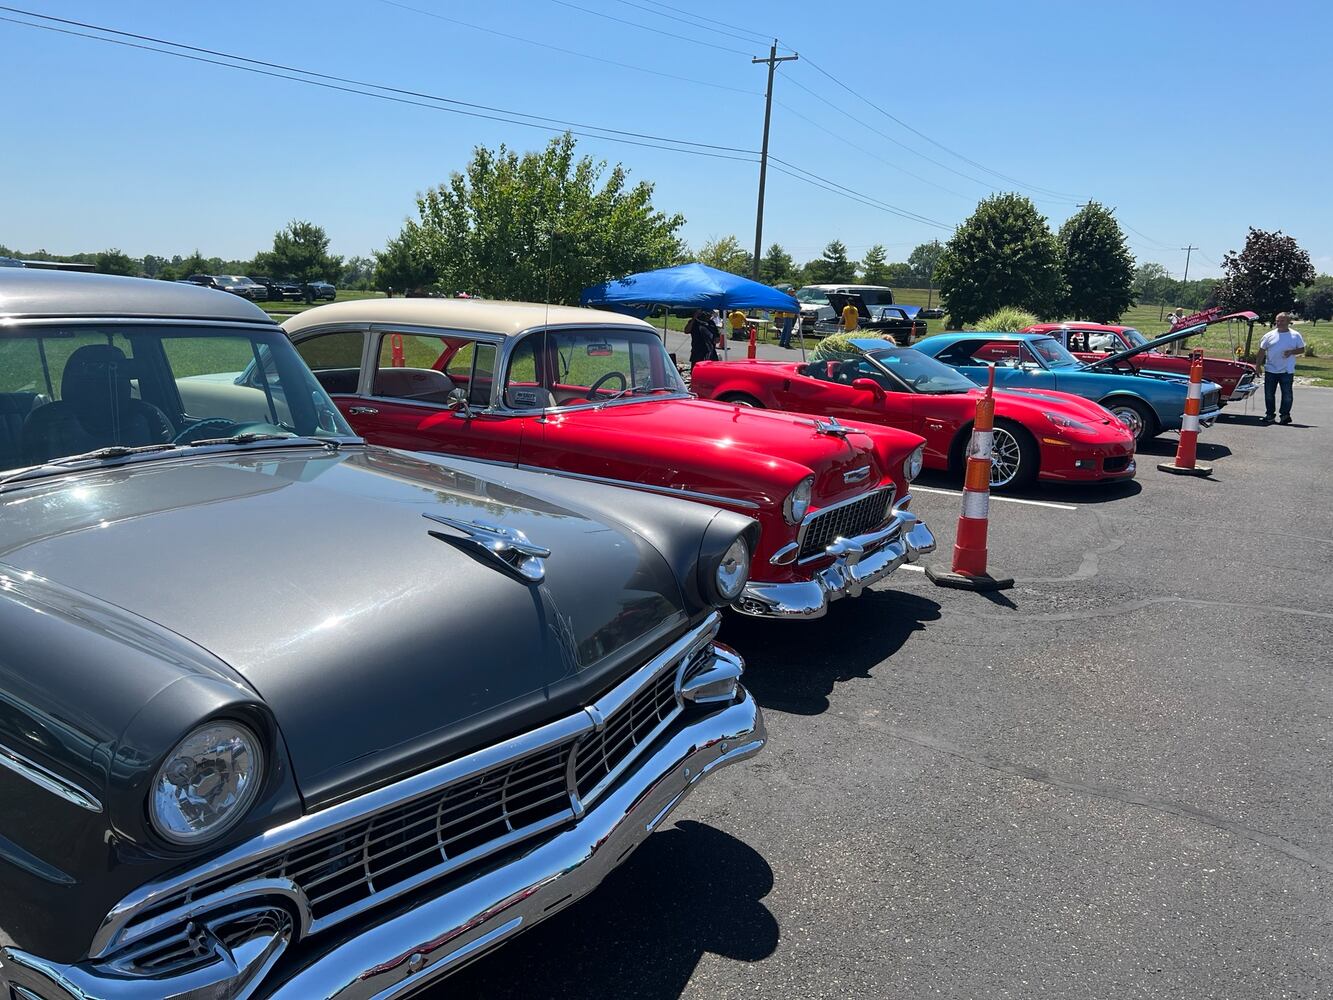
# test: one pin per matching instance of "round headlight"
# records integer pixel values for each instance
(733, 570)
(206, 784)
(912, 464)
(798, 502)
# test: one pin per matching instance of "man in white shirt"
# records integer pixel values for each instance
(1278, 351)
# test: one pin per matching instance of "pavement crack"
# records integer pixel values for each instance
(1180, 810)
(1090, 564)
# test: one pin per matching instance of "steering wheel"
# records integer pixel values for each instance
(624, 383)
(206, 428)
(920, 380)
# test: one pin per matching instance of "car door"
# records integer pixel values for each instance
(404, 395)
(834, 395)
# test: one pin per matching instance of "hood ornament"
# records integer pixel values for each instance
(832, 428)
(507, 546)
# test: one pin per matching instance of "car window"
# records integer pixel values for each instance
(335, 358)
(560, 367)
(876, 296)
(69, 391)
(1050, 352)
(408, 366)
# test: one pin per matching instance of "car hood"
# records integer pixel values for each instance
(1031, 404)
(734, 450)
(379, 645)
(1152, 345)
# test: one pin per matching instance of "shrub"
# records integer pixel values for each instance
(838, 346)
(1007, 320)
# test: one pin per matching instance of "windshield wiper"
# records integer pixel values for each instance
(97, 455)
(249, 437)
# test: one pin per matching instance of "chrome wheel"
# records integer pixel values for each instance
(1006, 458)
(1130, 417)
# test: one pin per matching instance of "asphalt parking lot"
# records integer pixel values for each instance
(1110, 781)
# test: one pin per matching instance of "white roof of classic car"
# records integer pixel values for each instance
(477, 315)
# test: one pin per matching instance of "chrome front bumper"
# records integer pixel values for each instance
(1243, 392)
(405, 951)
(857, 563)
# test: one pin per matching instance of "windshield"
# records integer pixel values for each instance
(69, 390)
(1133, 337)
(222, 279)
(921, 372)
(875, 296)
(569, 367)
(814, 296)
(1052, 353)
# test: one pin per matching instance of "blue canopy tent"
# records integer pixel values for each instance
(687, 286)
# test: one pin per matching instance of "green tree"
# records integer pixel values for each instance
(874, 271)
(832, 268)
(726, 254)
(897, 275)
(398, 268)
(357, 272)
(1152, 283)
(1316, 300)
(1265, 275)
(776, 266)
(301, 252)
(1003, 255)
(922, 263)
(518, 226)
(113, 261)
(1096, 264)
(196, 263)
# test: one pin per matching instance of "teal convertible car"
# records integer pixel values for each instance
(1146, 402)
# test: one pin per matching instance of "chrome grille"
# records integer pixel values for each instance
(845, 520)
(1210, 400)
(442, 825)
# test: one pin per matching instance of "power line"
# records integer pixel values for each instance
(565, 51)
(649, 27)
(934, 142)
(871, 153)
(501, 115)
(750, 38)
(831, 190)
(884, 205)
(759, 36)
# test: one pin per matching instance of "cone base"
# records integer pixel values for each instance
(962, 581)
(1180, 470)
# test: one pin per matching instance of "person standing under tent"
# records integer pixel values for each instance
(737, 321)
(703, 337)
(785, 320)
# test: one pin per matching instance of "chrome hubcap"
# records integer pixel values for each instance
(1130, 418)
(1005, 458)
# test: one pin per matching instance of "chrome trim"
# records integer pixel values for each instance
(857, 563)
(856, 475)
(119, 930)
(507, 546)
(47, 780)
(890, 489)
(784, 555)
(670, 491)
(403, 953)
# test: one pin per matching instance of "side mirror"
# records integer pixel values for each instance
(459, 404)
(869, 385)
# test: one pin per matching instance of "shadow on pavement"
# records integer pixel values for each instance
(1089, 493)
(688, 890)
(793, 666)
(1166, 448)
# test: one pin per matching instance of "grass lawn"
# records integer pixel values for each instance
(281, 310)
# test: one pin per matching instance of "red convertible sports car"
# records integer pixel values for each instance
(1094, 341)
(1038, 434)
(593, 396)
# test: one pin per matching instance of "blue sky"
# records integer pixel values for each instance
(1195, 120)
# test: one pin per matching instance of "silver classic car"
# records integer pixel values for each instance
(286, 715)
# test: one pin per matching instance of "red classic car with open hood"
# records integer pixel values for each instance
(1095, 341)
(1038, 433)
(594, 395)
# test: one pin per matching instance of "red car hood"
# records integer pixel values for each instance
(725, 442)
(1029, 404)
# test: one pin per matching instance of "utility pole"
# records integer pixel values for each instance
(772, 61)
(1188, 250)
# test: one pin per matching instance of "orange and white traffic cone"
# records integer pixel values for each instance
(969, 551)
(1184, 464)
(749, 351)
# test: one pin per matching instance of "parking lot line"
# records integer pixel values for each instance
(914, 569)
(1030, 503)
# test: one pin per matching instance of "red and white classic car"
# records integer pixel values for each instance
(1094, 341)
(1054, 436)
(594, 395)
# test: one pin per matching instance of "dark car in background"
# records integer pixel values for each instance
(899, 322)
(284, 714)
(315, 290)
(279, 291)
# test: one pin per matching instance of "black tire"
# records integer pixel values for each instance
(1011, 442)
(1134, 415)
(741, 399)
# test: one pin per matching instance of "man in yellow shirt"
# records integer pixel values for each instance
(849, 318)
(737, 321)
(785, 322)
